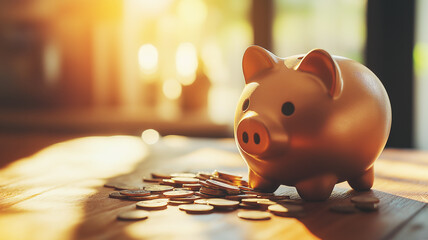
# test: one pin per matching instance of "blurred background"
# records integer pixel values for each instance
(122, 66)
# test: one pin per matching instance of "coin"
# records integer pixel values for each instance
(184, 180)
(171, 183)
(222, 203)
(254, 215)
(135, 193)
(367, 206)
(133, 215)
(155, 204)
(176, 202)
(160, 175)
(203, 176)
(240, 196)
(183, 175)
(204, 195)
(117, 195)
(213, 192)
(189, 198)
(246, 206)
(245, 188)
(158, 188)
(222, 185)
(192, 186)
(227, 176)
(150, 197)
(364, 199)
(251, 201)
(265, 203)
(178, 194)
(201, 201)
(196, 208)
(343, 208)
(285, 211)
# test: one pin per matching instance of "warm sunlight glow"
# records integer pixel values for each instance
(149, 8)
(148, 58)
(150, 136)
(186, 60)
(192, 12)
(55, 184)
(171, 89)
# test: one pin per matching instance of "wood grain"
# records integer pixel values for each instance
(58, 193)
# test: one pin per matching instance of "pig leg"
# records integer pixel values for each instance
(363, 182)
(318, 188)
(260, 183)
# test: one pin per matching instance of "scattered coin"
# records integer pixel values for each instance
(176, 202)
(369, 207)
(222, 185)
(189, 198)
(246, 206)
(212, 191)
(251, 201)
(117, 195)
(222, 203)
(196, 208)
(158, 188)
(184, 180)
(364, 199)
(183, 175)
(150, 197)
(192, 186)
(285, 211)
(133, 215)
(170, 194)
(155, 204)
(227, 176)
(254, 215)
(160, 175)
(343, 208)
(265, 203)
(239, 197)
(135, 193)
(201, 201)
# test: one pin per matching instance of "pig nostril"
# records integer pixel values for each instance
(256, 138)
(245, 137)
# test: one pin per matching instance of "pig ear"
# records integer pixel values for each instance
(320, 63)
(257, 59)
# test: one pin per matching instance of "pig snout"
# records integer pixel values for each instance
(253, 137)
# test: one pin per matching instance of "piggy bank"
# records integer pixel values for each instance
(310, 121)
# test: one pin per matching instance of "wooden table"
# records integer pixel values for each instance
(52, 188)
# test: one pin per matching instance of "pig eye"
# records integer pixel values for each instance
(246, 104)
(287, 108)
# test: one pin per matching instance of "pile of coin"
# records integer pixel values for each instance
(204, 193)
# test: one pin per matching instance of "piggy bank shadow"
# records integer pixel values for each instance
(382, 223)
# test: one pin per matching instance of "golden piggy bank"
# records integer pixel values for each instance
(310, 121)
